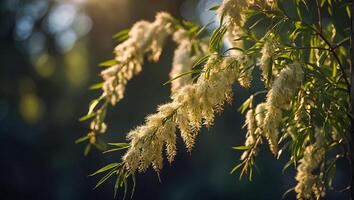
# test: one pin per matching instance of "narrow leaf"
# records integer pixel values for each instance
(287, 192)
(102, 180)
(96, 86)
(236, 167)
(92, 106)
(214, 7)
(87, 149)
(115, 149)
(121, 34)
(108, 63)
(81, 139)
(241, 148)
(105, 168)
(86, 117)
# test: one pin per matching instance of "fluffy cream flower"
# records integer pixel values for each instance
(191, 106)
(233, 10)
(144, 37)
(183, 59)
(284, 88)
(309, 183)
(265, 64)
(251, 135)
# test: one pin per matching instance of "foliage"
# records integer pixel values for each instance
(302, 55)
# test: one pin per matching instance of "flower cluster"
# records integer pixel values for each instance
(268, 115)
(253, 122)
(265, 64)
(309, 184)
(284, 88)
(234, 10)
(144, 37)
(192, 105)
(183, 59)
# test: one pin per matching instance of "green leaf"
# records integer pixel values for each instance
(201, 29)
(103, 179)
(96, 86)
(241, 148)
(305, 3)
(121, 34)
(322, 3)
(330, 176)
(81, 139)
(87, 149)
(180, 75)
(108, 63)
(237, 166)
(246, 104)
(125, 187)
(287, 165)
(287, 192)
(133, 188)
(105, 168)
(214, 7)
(207, 73)
(216, 39)
(233, 48)
(257, 22)
(347, 9)
(101, 144)
(93, 105)
(251, 173)
(86, 117)
(201, 60)
(119, 144)
(115, 149)
(118, 182)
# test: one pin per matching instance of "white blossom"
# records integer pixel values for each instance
(251, 135)
(191, 106)
(309, 183)
(183, 59)
(233, 10)
(267, 52)
(283, 89)
(254, 121)
(144, 37)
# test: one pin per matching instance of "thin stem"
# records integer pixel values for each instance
(319, 16)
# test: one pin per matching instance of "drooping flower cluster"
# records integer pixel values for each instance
(191, 106)
(147, 141)
(284, 88)
(265, 64)
(309, 184)
(233, 10)
(251, 135)
(183, 59)
(266, 118)
(233, 13)
(254, 121)
(144, 37)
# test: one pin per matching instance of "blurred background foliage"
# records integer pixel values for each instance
(49, 50)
